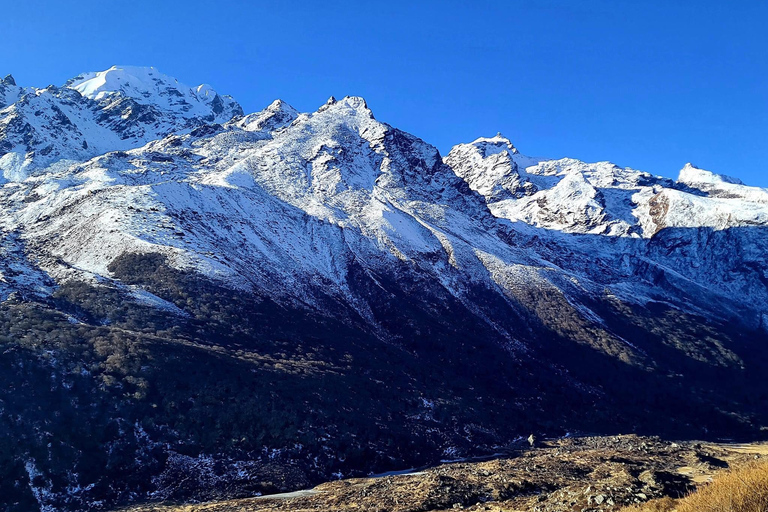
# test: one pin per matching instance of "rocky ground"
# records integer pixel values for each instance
(584, 474)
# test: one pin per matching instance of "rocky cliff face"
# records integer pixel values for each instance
(300, 294)
(120, 108)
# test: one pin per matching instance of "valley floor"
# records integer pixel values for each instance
(570, 474)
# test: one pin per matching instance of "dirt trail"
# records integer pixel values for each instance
(583, 474)
(730, 453)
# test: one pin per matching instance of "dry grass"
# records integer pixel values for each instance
(740, 490)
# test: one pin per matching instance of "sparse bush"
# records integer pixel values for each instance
(744, 489)
(98, 389)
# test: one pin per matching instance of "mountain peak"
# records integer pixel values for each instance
(121, 108)
(148, 86)
(278, 104)
(281, 106)
(126, 79)
(495, 144)
(277, 115)
(356, 103)
(695, 177)
(9, 80)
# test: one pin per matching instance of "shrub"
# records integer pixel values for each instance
(744, 489)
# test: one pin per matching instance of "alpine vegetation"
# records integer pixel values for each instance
(199, 303)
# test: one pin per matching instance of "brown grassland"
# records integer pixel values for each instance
(742, 489)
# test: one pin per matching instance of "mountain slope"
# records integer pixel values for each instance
(705, 240)
(120, 108)
(259, 302)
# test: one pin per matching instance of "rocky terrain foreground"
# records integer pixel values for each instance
(584, 474)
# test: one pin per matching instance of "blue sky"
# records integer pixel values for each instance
(651, 85)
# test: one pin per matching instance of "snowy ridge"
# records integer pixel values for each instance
(277, 115)
(117, 109)
(147, 86)
(290, 204)
(9, 91)
(601, 198)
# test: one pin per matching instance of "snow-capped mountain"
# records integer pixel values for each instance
(484, 212)
(117, 109)
(629, 226)
(9, 91)
(126, 182)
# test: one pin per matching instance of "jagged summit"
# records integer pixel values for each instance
(181, 249)
(495, 144)
(350, 102)
(277, 115)
(129, 127)
(9, 92)
(329, 102)
(278, 104)
(117, 109)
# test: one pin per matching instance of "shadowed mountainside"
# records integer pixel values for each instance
(201, 304)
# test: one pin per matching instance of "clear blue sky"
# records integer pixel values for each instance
(647, 84)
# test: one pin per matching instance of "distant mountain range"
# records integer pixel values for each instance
(262, 301)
